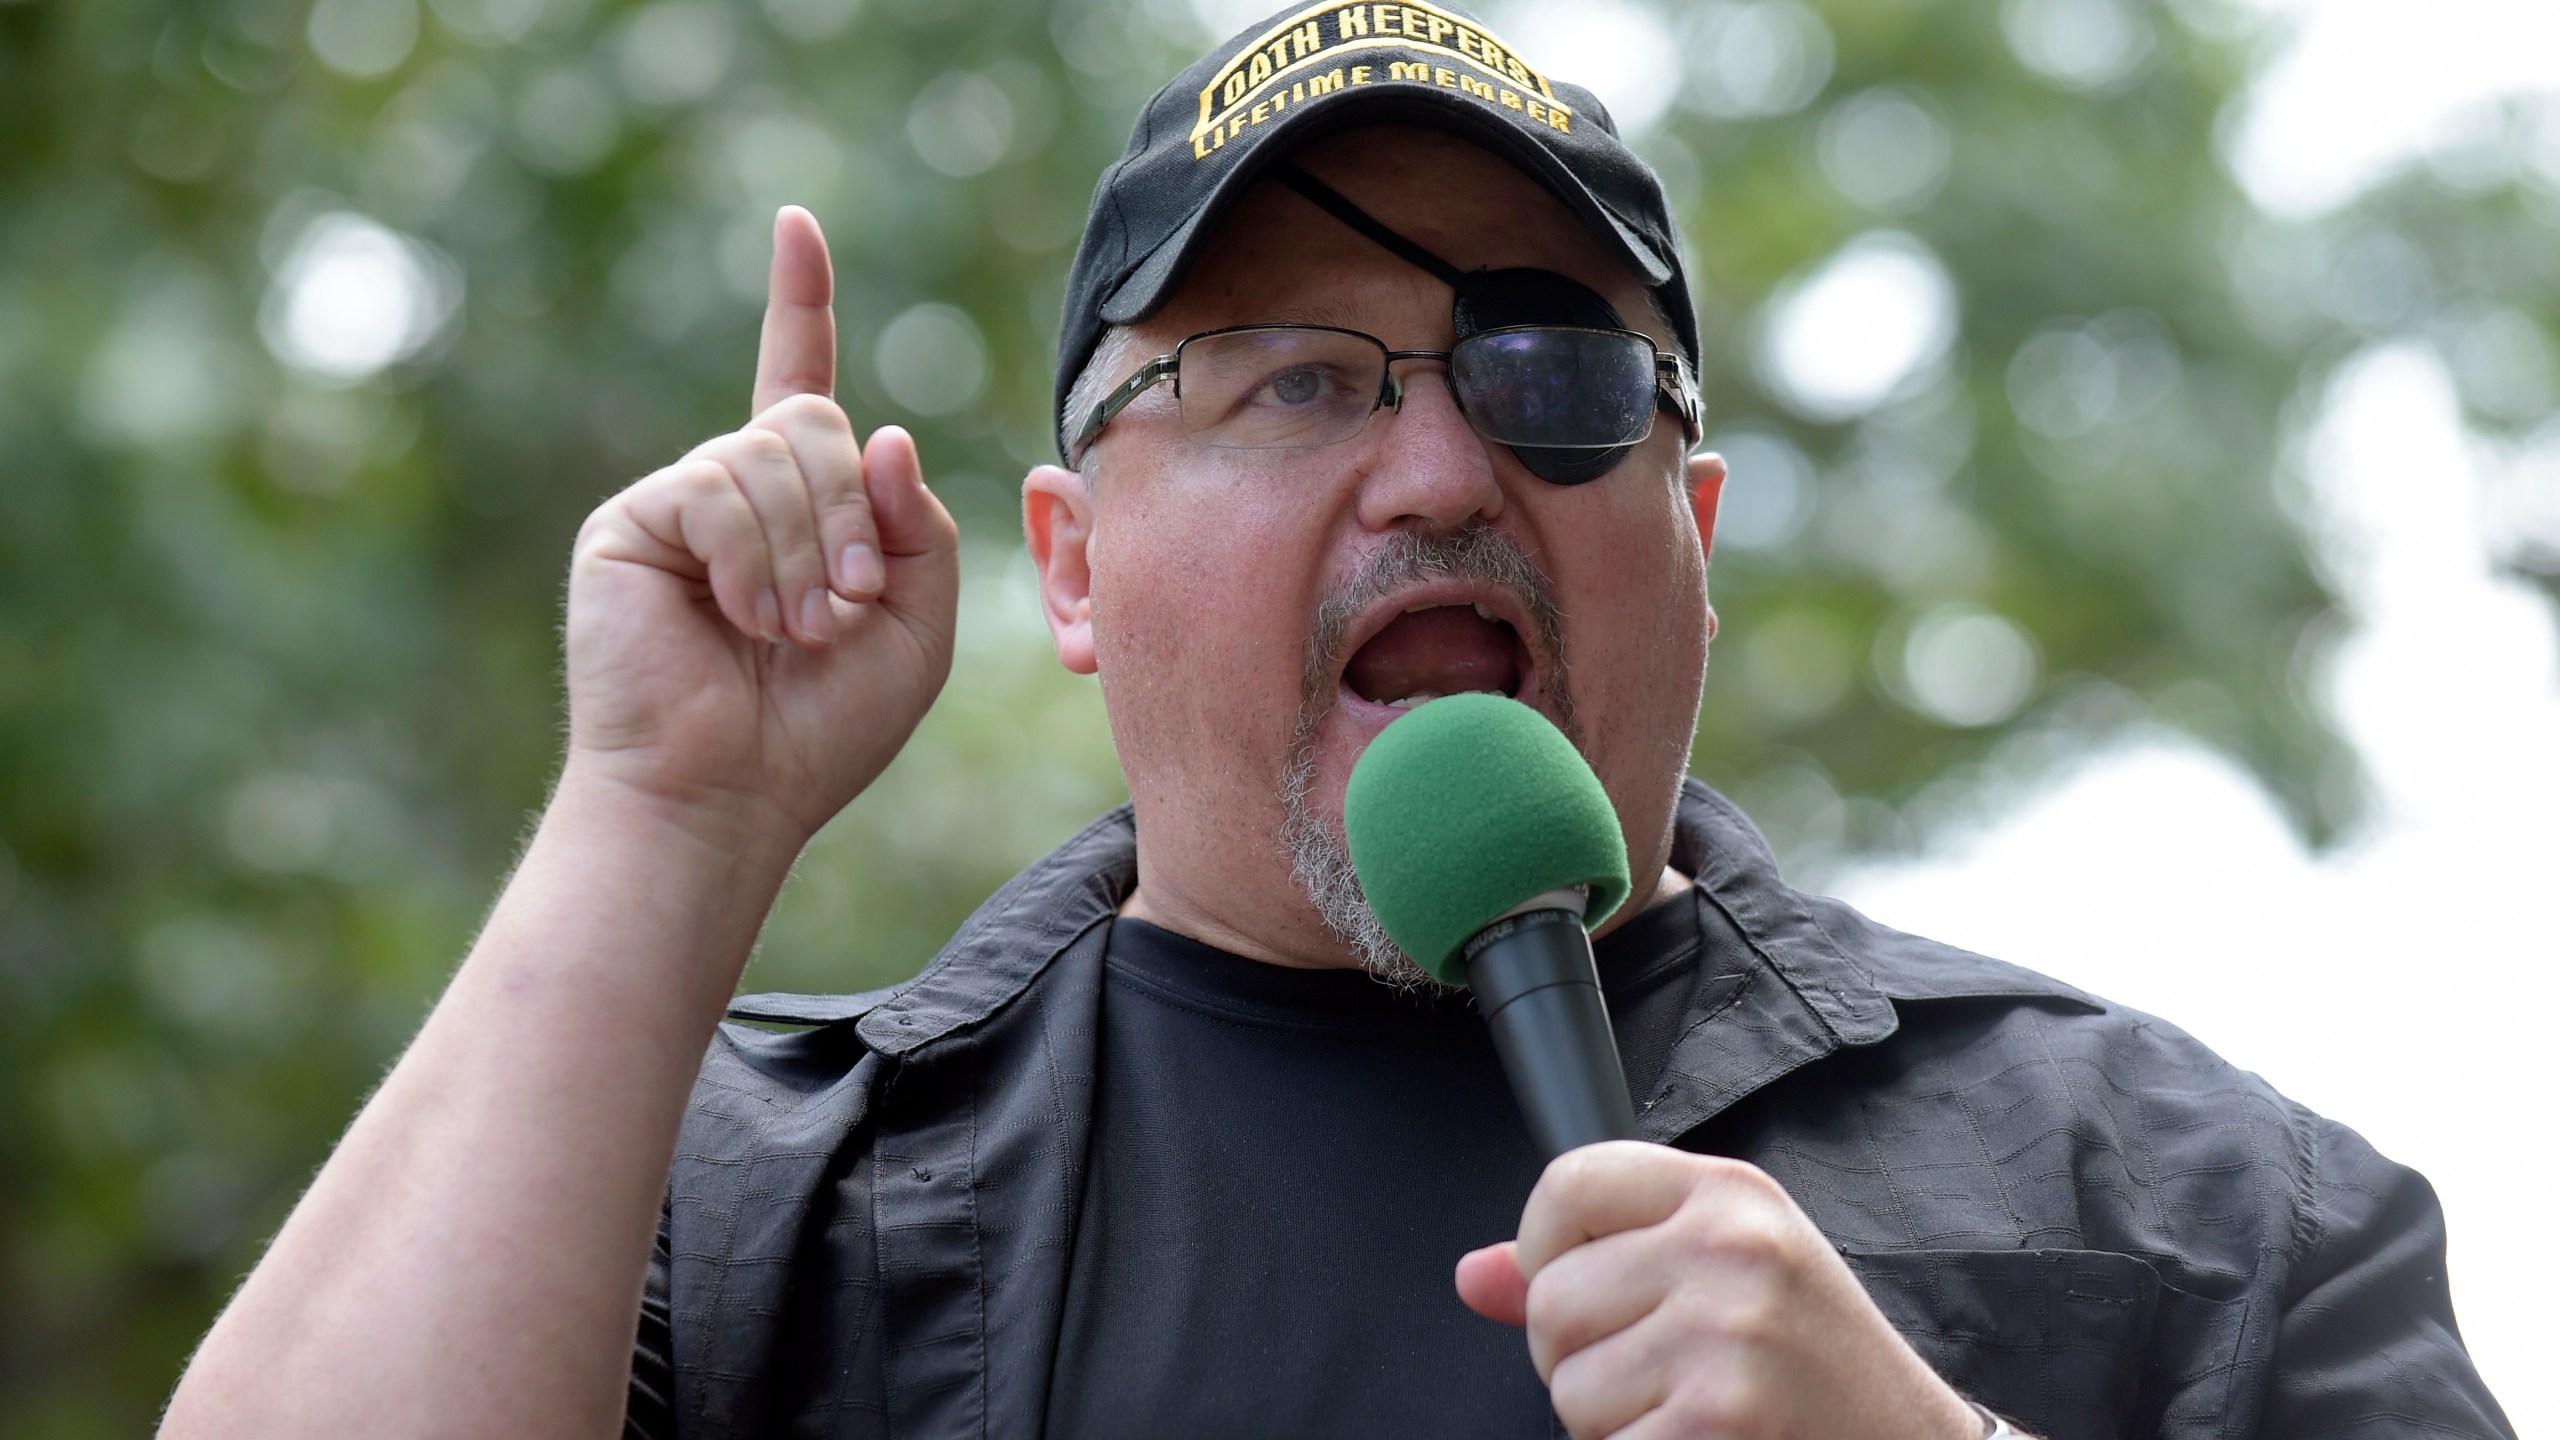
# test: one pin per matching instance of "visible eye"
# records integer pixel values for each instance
(1299, 386)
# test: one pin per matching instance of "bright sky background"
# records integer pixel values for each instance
(2376, 984)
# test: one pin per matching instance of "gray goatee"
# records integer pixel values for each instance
(1319, 856)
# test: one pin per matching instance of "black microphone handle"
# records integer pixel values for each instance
(1539, 992)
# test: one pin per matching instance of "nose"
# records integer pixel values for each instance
(1428, 467)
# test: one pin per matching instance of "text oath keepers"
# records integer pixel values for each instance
(1248, 90)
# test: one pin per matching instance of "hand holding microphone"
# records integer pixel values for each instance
(1664, 1293)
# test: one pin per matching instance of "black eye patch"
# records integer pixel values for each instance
(1498, 299)
(1490, 300)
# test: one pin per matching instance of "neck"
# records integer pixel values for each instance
(1168, 908)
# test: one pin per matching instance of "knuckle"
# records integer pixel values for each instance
(797, 556)
(1748, 1219)
(1549, 1308)
(1752, 1241)
(1744, 1174)
(1562, 1295)
(1757, 1317)
(699, 480)
(1577, 1395)
(848, 506)
(811, 409)
(1573, 1173)
(1737, 1314)
(1702, 1408)
(764, 447)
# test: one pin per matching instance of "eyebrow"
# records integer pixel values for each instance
(1315, 312)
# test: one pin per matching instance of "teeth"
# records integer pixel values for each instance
(1483, 612)
(1416, 698)
(1418, 609)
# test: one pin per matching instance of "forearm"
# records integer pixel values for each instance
(470, 1260)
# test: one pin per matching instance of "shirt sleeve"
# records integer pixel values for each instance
(648, 1413)
(2367, 1345)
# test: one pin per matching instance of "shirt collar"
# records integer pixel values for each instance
(1845, 971)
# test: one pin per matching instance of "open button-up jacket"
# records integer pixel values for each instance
(2079, 1215)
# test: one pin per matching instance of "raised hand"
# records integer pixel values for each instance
(756, 629)
(753, 632)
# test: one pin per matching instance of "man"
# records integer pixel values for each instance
(1378, 386)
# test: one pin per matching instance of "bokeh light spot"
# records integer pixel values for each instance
(1883, 150)
(2502, 363)
(1751, 59)
(932, 360)
(1857, 329)
(2069, 379)
(363, 39)
(1621, 52)
(496, 22)
(1961, 665)
(961, 123)
(676, 52)
(2078, 44)
(355, 297)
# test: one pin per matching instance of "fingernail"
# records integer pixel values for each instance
(862, 571)
(769, 617)
(817, 618)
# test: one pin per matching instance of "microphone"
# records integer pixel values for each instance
(1488, 849)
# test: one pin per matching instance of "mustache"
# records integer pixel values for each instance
(1476, 552)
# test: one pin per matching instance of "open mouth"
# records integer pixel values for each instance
(1435, 647)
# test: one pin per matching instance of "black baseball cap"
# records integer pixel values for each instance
(1313, 69)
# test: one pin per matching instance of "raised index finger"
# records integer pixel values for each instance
(798, 353)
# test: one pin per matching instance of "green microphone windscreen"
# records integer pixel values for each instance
(1464, 808)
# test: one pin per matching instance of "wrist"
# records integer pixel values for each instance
(626, 903)
(724, 828)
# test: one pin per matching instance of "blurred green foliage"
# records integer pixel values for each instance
(278, 594)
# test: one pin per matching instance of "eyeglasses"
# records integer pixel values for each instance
(1297, 387)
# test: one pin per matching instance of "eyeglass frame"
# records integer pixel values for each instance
(1673, 382)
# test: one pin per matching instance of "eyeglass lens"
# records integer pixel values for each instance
(1282, 387)
(1278, 388)
(1556, 388)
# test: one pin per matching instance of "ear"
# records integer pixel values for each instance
(1057, 522)
(1706, 488)
(1706, 491)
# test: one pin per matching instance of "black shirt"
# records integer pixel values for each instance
(1284, 1169)
(2071, 1210)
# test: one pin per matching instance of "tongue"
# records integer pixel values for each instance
(1445, 650)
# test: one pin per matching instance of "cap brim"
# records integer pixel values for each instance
(1155, 278)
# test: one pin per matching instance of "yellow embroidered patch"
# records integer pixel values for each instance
(1300, 59)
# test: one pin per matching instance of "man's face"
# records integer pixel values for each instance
(1256, 615)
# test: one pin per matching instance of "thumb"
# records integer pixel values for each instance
(918, 538)
(910, 518)
(1489, 1280)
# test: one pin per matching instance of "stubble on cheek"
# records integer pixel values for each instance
(1646, 677)
(1198, 686)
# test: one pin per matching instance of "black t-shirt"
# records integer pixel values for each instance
(1285, 1167)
